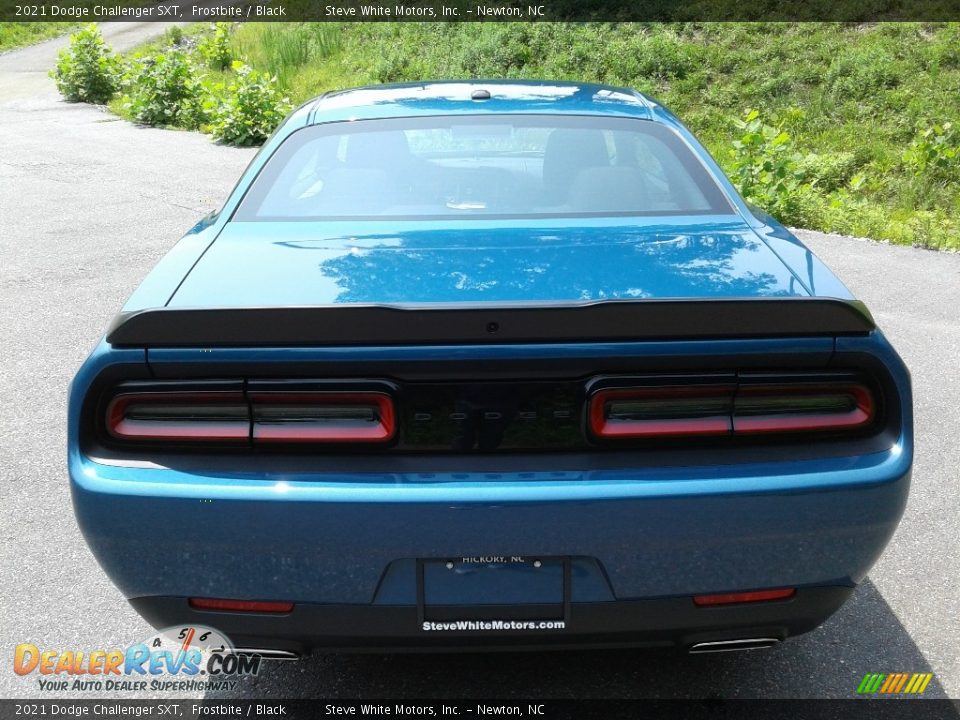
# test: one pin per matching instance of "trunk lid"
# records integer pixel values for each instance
(467, 262)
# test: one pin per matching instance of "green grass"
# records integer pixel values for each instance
(18, 34)
(852, 96)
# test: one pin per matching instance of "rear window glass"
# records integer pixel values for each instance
(481, 166)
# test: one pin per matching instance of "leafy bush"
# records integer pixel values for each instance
(861, 73)
(944, 51)
(215, 47)
(390, 66)
(87, 70)
(174, 35)
(827, 172)
(499, 51)
(935, 153)
(932, 229)
(251, 109)
(764, 168)
(165, 90)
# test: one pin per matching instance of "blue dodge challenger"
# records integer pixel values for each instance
(489, 364)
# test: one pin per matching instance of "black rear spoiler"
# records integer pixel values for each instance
(607, 320)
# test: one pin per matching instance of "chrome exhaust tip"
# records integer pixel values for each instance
(733, 645)
(268, 654)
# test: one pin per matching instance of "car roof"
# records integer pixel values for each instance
(455, 97)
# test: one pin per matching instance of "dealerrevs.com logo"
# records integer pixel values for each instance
(188, 658)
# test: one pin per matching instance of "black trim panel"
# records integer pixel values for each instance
(664, 622)
(96, 446)
(610, 320)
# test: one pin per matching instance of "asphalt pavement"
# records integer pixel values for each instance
(89, 203)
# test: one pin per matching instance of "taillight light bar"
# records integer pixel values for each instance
(322, 417)
(661, 411)
(234, 416)
(619, 413)
(213, 416)
(800, 408)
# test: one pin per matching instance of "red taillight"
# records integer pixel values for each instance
(251, 606)
(661, 411)
(798, 408)
(746, 408)
(192, 417)
(744, 597)
(322, 417)
(232, 416)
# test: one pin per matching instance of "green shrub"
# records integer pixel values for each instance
(644, 57)
(390, 66)
(215, 47)
(935, 153)
(87, 70)
(861, 73)
(174, 36)
(829, 171)
(764, 168)
(497, 51)
(662, 57)
(932, 229)
(944, 52)
(250, 110)
(165, 90)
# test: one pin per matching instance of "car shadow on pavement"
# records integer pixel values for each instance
(865, 636)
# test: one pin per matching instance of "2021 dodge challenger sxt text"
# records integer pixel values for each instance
(489, 364)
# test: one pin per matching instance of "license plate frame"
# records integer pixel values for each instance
(434, 604)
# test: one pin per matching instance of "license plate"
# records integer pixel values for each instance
(493, 588)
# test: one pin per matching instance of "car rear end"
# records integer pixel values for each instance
(665, 492)
(553, 384)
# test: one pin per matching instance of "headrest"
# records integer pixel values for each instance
(609, 189)
(567, 153)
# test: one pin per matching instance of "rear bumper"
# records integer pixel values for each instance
(664, 622)
(345, 551)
